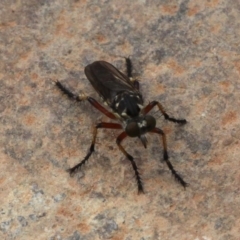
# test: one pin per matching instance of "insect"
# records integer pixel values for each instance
(121, 94)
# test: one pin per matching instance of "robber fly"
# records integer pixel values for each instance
(121, 94)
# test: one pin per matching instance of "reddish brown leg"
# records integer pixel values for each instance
(101, 108)
(165, 157)
(131, 159)
(152, 104)
(91, 100)
(74, 169)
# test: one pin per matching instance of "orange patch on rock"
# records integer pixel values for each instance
(177, 69)
(217, 160)
(2, 180)
(159, 88)
(83, 227)
(23, 101)
(198, 198)
(212, 3)
(117, 237)
(44, 45)
(225, 85)
(101, 38)
(216, 28)
(229, 118)
(25, 56)
(199, 107)
(196, 41)
(59, 28)
(30, 119)
(193, 11)
(125, 47)
(7, 24)
(151, 70)
(169, 9)
(195, 63)
(34, 76)
(63, 27)
(64, 212)
(237, 66)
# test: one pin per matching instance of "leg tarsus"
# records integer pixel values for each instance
(166, 159)
(69, 93)
(77, 167)
(177, 177)
(131, 159)
(137, 175)
(179, 121)
(152, 104)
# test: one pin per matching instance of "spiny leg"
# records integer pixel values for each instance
(130, 158)
(152, 104)
(69, 93)
(74, 169)
(129, 73)
(83, 97)
(129, 67)
(165, 157)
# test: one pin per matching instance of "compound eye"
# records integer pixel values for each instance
(151, 122)
(132, 129)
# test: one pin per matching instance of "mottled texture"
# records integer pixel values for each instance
(187, 55)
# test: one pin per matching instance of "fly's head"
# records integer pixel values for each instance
(137, 127)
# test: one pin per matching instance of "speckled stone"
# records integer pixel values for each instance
(187, 56)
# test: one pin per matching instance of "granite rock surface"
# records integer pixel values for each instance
(186, 54)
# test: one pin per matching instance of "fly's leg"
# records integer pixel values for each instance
(152, 104)
(82, 97)
(165, 157)
(131, 159)
(129, 73)
(77, 167)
